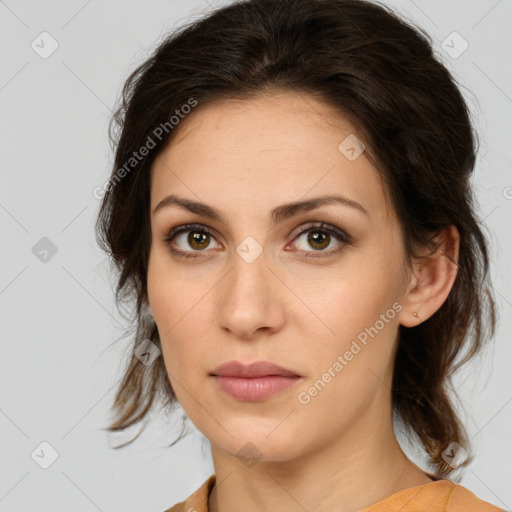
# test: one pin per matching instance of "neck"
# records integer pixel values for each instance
(350, 474)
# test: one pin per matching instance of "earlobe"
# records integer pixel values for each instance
(434, 279)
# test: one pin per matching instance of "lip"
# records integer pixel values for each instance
(256, 369)
(254, 382)
(254, 389)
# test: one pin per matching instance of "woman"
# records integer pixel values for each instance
(290, 210)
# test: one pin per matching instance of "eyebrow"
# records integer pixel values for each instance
(278, 214)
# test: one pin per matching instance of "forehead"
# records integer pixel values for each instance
(278, 147)
(271, 122)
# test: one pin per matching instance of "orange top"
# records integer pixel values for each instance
(438, 496)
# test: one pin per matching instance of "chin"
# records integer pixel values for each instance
(252, 445)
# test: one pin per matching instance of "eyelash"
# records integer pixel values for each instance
(340, 235)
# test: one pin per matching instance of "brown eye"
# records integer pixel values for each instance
(190, 239)
(317, 239)
(198, 239)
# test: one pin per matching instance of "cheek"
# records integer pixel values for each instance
(351, 297)
(177, 306)
(350, 365)
(166, 302)
(167, 292)
(359, 316)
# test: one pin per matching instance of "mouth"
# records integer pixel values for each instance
(256, 369)
(254, 389)
(254, 382)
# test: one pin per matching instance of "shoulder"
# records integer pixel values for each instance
(439, 496)
(198, 500)
(461, 499)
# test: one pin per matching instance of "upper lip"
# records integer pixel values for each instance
(256, 369)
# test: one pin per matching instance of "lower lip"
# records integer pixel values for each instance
(254, 389)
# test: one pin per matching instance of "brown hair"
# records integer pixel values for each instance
(380, 73)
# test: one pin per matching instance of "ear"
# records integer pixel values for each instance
(432, 278)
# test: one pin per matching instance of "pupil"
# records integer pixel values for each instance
(197, 239)
(313, 238)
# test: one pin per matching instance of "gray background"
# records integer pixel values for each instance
(60, 361)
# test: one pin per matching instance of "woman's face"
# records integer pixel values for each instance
(278, 288)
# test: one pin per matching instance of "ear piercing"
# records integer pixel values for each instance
(415, 314)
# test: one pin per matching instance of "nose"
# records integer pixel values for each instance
(251, 299)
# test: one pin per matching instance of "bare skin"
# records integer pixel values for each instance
(338, 451)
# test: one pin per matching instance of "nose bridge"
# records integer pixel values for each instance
(250, 298)
(250, 274)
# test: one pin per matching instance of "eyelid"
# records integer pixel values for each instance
(185, 228)
(321, 226)
(341, 236)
